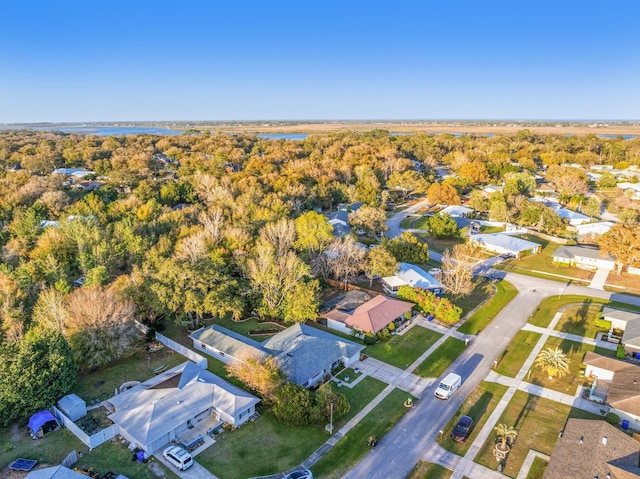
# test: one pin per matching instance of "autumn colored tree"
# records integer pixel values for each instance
(457, 269)
(380, 263)
(261, 373)
(474, 171)
(622, 241)
(443, 193)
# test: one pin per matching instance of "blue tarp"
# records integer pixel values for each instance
(39, 419)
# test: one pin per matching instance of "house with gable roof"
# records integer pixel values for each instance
(414, 276)
(304, 354)
(583, 257)
(157, 411)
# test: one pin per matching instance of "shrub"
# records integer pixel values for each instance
(391, 327)
(369, 339)
(384, 334)
(620, 353)
(604, 324)
(612, 419)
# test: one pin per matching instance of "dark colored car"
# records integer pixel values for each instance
(462, 430)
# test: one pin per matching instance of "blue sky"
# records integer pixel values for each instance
(240, 60)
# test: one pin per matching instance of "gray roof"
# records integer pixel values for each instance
(339, 215)
(570, 252)
(148, 414)
(55, 472)
(619, 314)
(302, 350)
(70, 401)
(507, 242)
(226, 340)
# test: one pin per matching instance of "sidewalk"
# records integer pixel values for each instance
(461, 466)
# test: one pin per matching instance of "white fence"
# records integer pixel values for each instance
(91, 441)
(201, 361)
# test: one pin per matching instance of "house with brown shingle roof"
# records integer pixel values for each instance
(370, 317)
(587, 449)
(618, 383)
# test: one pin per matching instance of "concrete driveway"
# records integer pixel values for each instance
(197, 471)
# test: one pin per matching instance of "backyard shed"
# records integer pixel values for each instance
(73, 407)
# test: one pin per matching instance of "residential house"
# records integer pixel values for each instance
(457, 211)
(593, 449)
(616, 384)
(305, 354)
(370, 317)
(77, 173)
(414, 276)
(631, 190)
(545, 189)
(583, 257)
(573, 217)
(626, 322)
(593, 229)
(155, 412)
(492, 189)
(340, 222)
(55, 472)
(505, 244)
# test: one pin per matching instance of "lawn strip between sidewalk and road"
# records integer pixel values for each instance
(438, 361)
(479, 320)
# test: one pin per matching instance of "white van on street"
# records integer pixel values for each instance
(448, 386)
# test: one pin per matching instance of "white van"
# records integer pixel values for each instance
(448, 386)
(178, 457)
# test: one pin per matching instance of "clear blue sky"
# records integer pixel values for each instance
(239, 60)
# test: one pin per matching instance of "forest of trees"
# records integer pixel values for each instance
(212, 225)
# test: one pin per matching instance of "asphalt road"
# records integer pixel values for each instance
(400, 450)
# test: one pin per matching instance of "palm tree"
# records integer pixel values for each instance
(504, 432)
(555, 361)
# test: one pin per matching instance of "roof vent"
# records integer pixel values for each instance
(581, 440)
(604, 440)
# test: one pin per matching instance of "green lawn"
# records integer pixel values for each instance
(537, 468)
(102, 383)
(359, 396)
(266, 446)
(479, 405)
(342, 375)
(427, 470)
(543, 262)
(243, 327)
(353, 445)
(439, 244)
(570, 381)
(479, 320)
(421, 223)
(517, 352)
(580, 320)
(440, 359)
(549, 306)
(538, 422)
(481, 291)
(402, 351)
(115, 457)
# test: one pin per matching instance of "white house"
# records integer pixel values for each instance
(414, 276)
(573, 217)
(632, 190)
(457, 211)
(583, 257)
(595, 229)
(504, 244)
(629, 323)
(157, 411)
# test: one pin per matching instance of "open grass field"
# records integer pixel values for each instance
(537, 469)
(516, 353)
(504, 293)
(479, 405)
(426, 470)
(353, 445)
(438, 361)
(548, 307)
(482, 289)
(538, 422)
(439, 244)
(575, 353)
(402, 351)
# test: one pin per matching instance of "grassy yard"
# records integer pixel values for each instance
(623, 282)
(427, 470)
(266, 446)
(537, 469)
(353, 445)
(570, 381)
(479, 320)
(538, 422)
(402, 351)
(102, 383)
(441, 358)
(348, 373)
(543, 262)
(439, 244)
(243, 327)
(580, 320)
(481, 291)
(479, 405)
(549, 306)
(517, 352)
(115, 457)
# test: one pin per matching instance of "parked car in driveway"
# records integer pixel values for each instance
(462, 430)
(299, 474)
(178, 457)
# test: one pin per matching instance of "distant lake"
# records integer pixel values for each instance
(283, 136)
